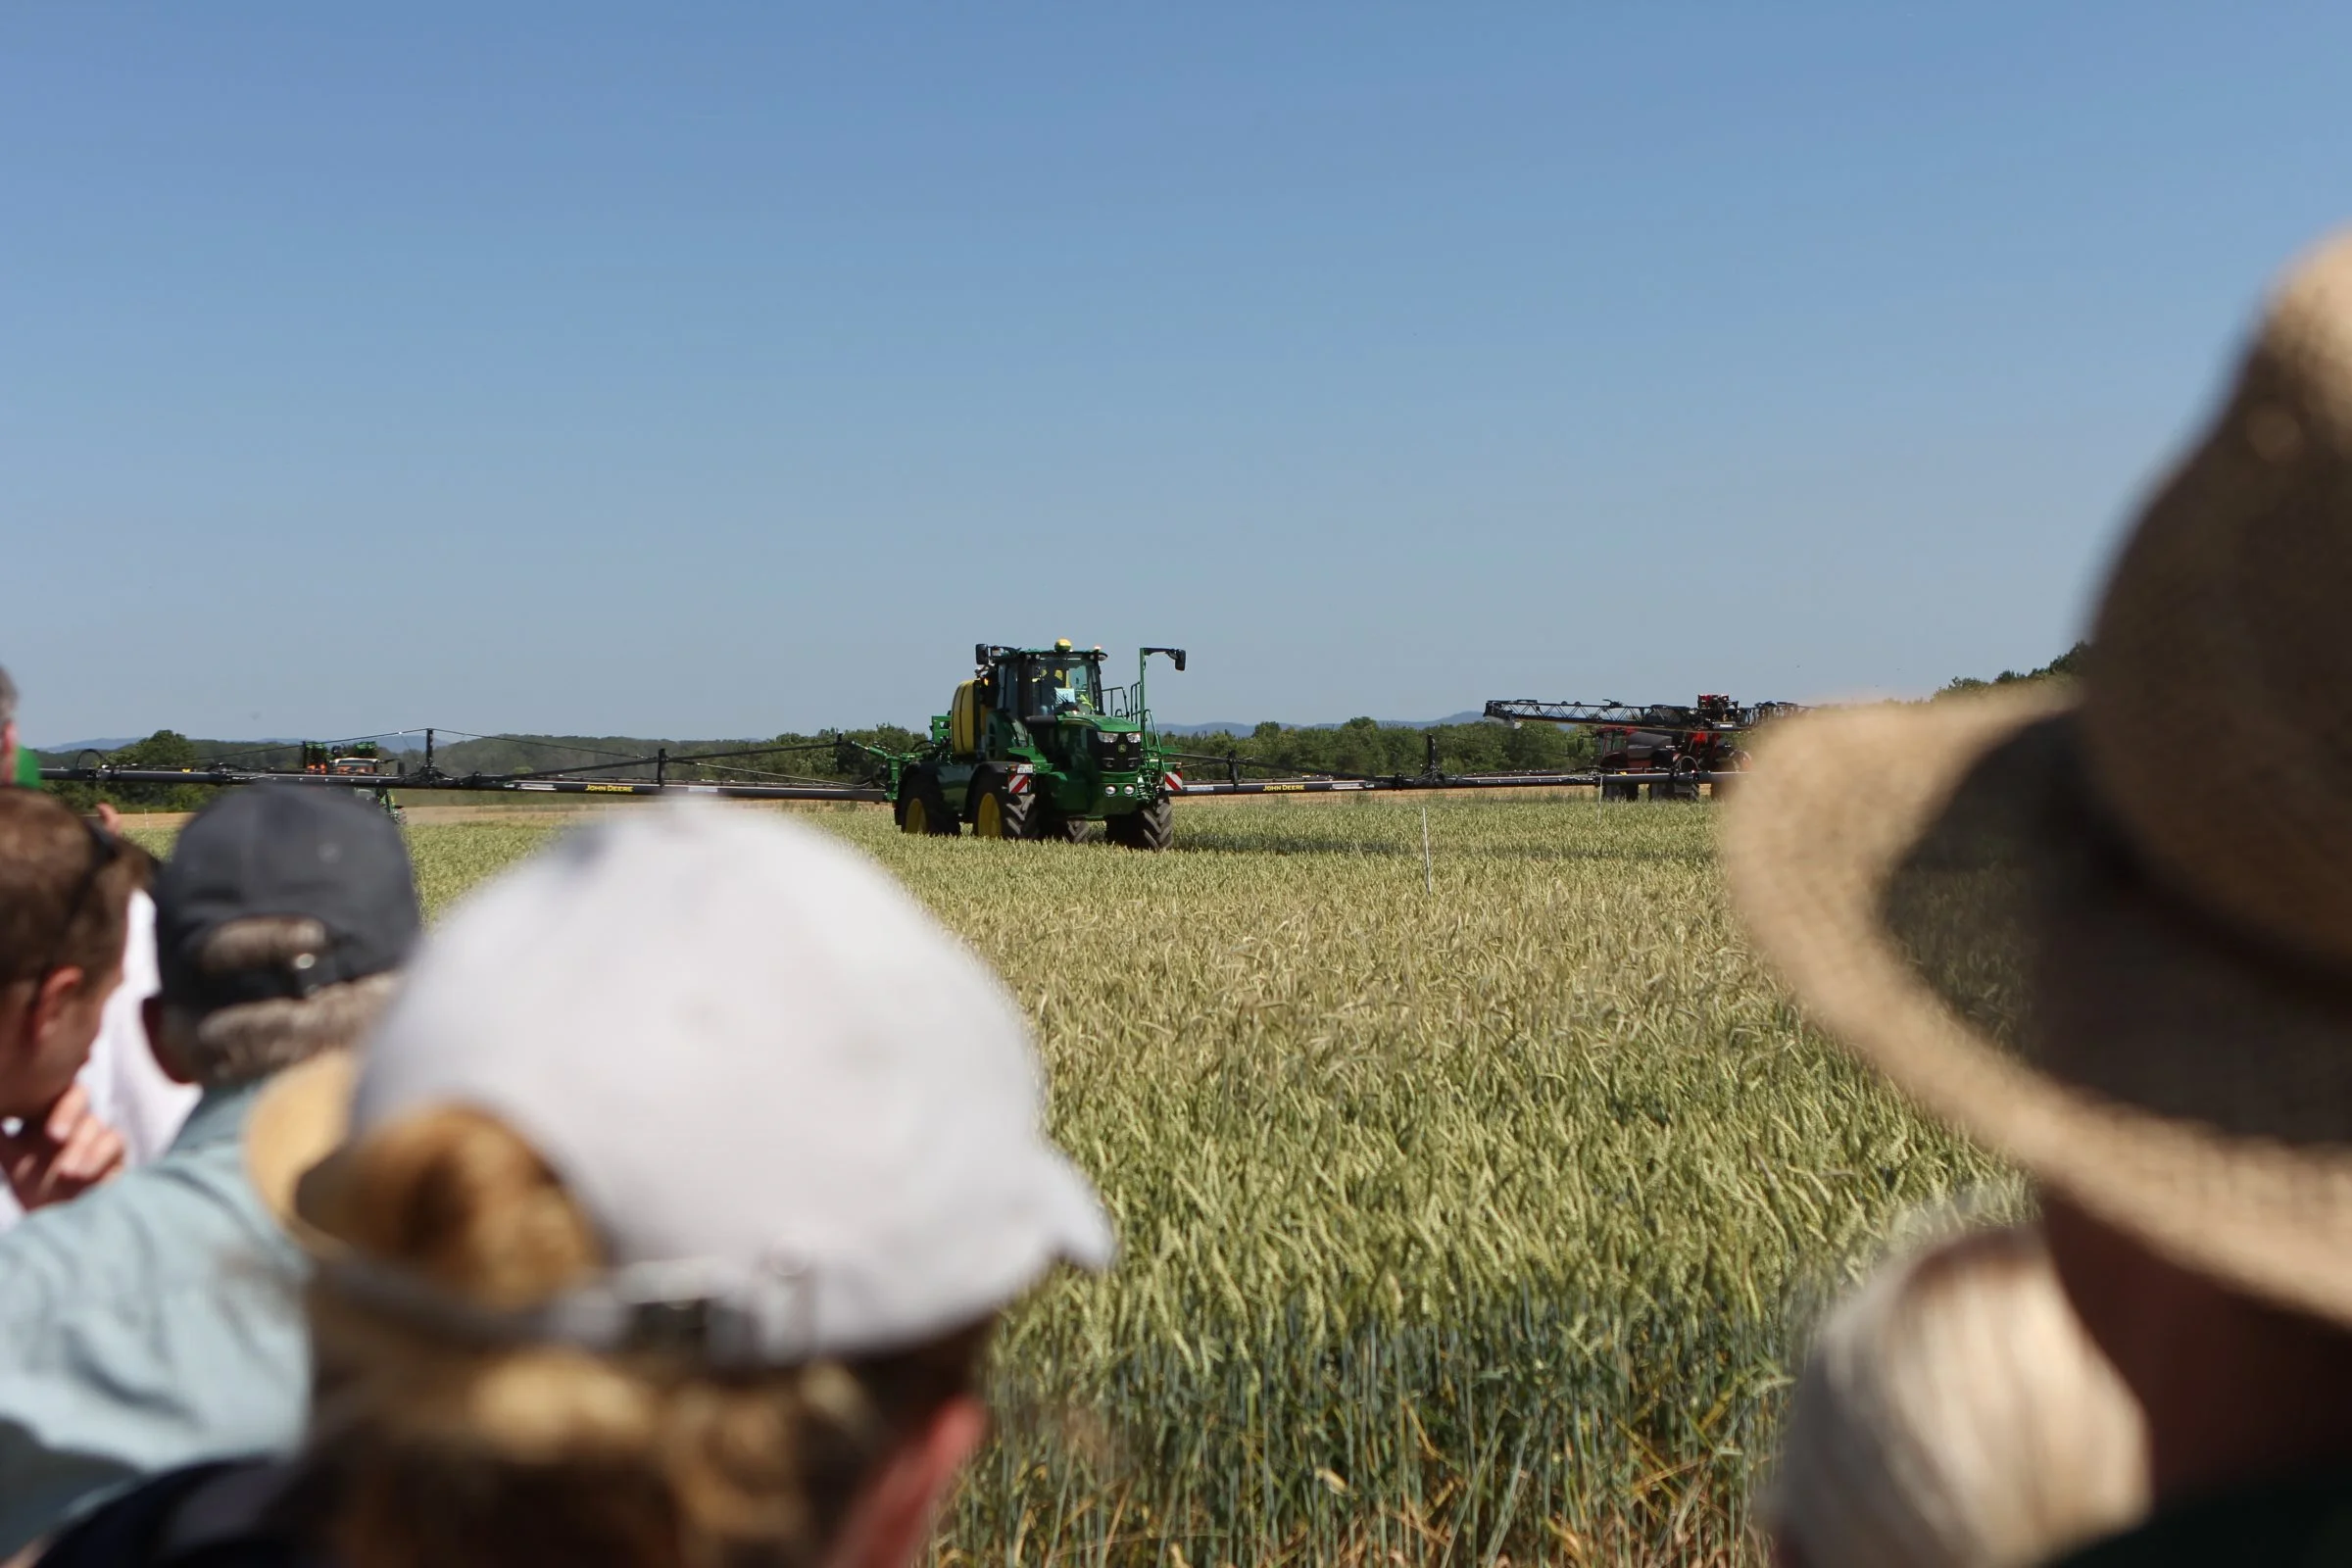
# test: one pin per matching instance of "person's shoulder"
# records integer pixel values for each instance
(2298, 1523)
(130, 1528)
(146, 1231)
(212, 1515)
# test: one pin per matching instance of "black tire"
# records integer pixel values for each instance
(1151, 828)
(1619, 790)
(922, 807)
(1052, 825)
(999, 813)
(1723, 786)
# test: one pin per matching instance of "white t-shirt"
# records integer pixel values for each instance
(128, 1091)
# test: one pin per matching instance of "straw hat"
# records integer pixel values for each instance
(2108, 930)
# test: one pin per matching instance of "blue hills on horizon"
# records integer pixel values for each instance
(115, 742)
(108, 743)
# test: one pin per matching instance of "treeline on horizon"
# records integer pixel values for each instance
(2068, 665)
(829, 757)
(1360, 746)
(1368, 746)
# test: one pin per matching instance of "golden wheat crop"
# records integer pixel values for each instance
(1460, 1223)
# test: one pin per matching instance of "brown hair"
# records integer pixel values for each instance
(434, 1452)
(250, 1040)
(65, 889)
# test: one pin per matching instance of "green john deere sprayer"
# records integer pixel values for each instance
(1036, 746)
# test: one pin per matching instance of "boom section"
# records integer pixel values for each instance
(477, 783)
(1710, 712)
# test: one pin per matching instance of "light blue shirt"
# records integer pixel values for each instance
(151, 1323)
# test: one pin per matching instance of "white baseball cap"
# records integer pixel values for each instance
(803, 1117)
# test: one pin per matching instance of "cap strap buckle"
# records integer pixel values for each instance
(720, 1311)
(723, 1312)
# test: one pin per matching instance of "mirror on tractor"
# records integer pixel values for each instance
(1175, 655)
(980, 654)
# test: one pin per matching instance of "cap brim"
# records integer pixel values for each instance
(299, 1119)
(1081, 1231)
(1812, 843)
(296, 1136)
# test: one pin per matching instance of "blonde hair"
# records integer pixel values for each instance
(1954, 1415)
(433, 1451)
(251, 1039)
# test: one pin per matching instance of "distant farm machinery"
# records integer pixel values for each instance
(355, 761)
(1035, 745)
(1667, 747)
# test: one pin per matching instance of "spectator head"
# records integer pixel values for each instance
(2133, 974)
(281, 919)
(1953, 1414)
(677, 1194)
(8, 729)
(64, 892)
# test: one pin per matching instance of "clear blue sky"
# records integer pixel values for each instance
(719, 370)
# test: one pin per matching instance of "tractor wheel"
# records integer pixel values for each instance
(1619, 790)
(999, 813)
(1054, 826)
(923, 807)
(1151, 828)
(1721, 787)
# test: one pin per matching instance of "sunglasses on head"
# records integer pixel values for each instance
(104, 851)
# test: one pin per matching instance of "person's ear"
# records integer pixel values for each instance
(892, 1519)
(58, 991)
(150, 1018)
(16, 1018)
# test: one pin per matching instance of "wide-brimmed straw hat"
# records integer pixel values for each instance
(2107, 928)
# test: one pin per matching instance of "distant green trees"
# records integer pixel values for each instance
(806, 756)
(165, 748)
(2068, 663)
(1360, 745)
(1365, 745)
(802, 756)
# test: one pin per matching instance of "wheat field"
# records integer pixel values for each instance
(1470, 1211)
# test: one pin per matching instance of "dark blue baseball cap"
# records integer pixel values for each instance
(309, 851)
